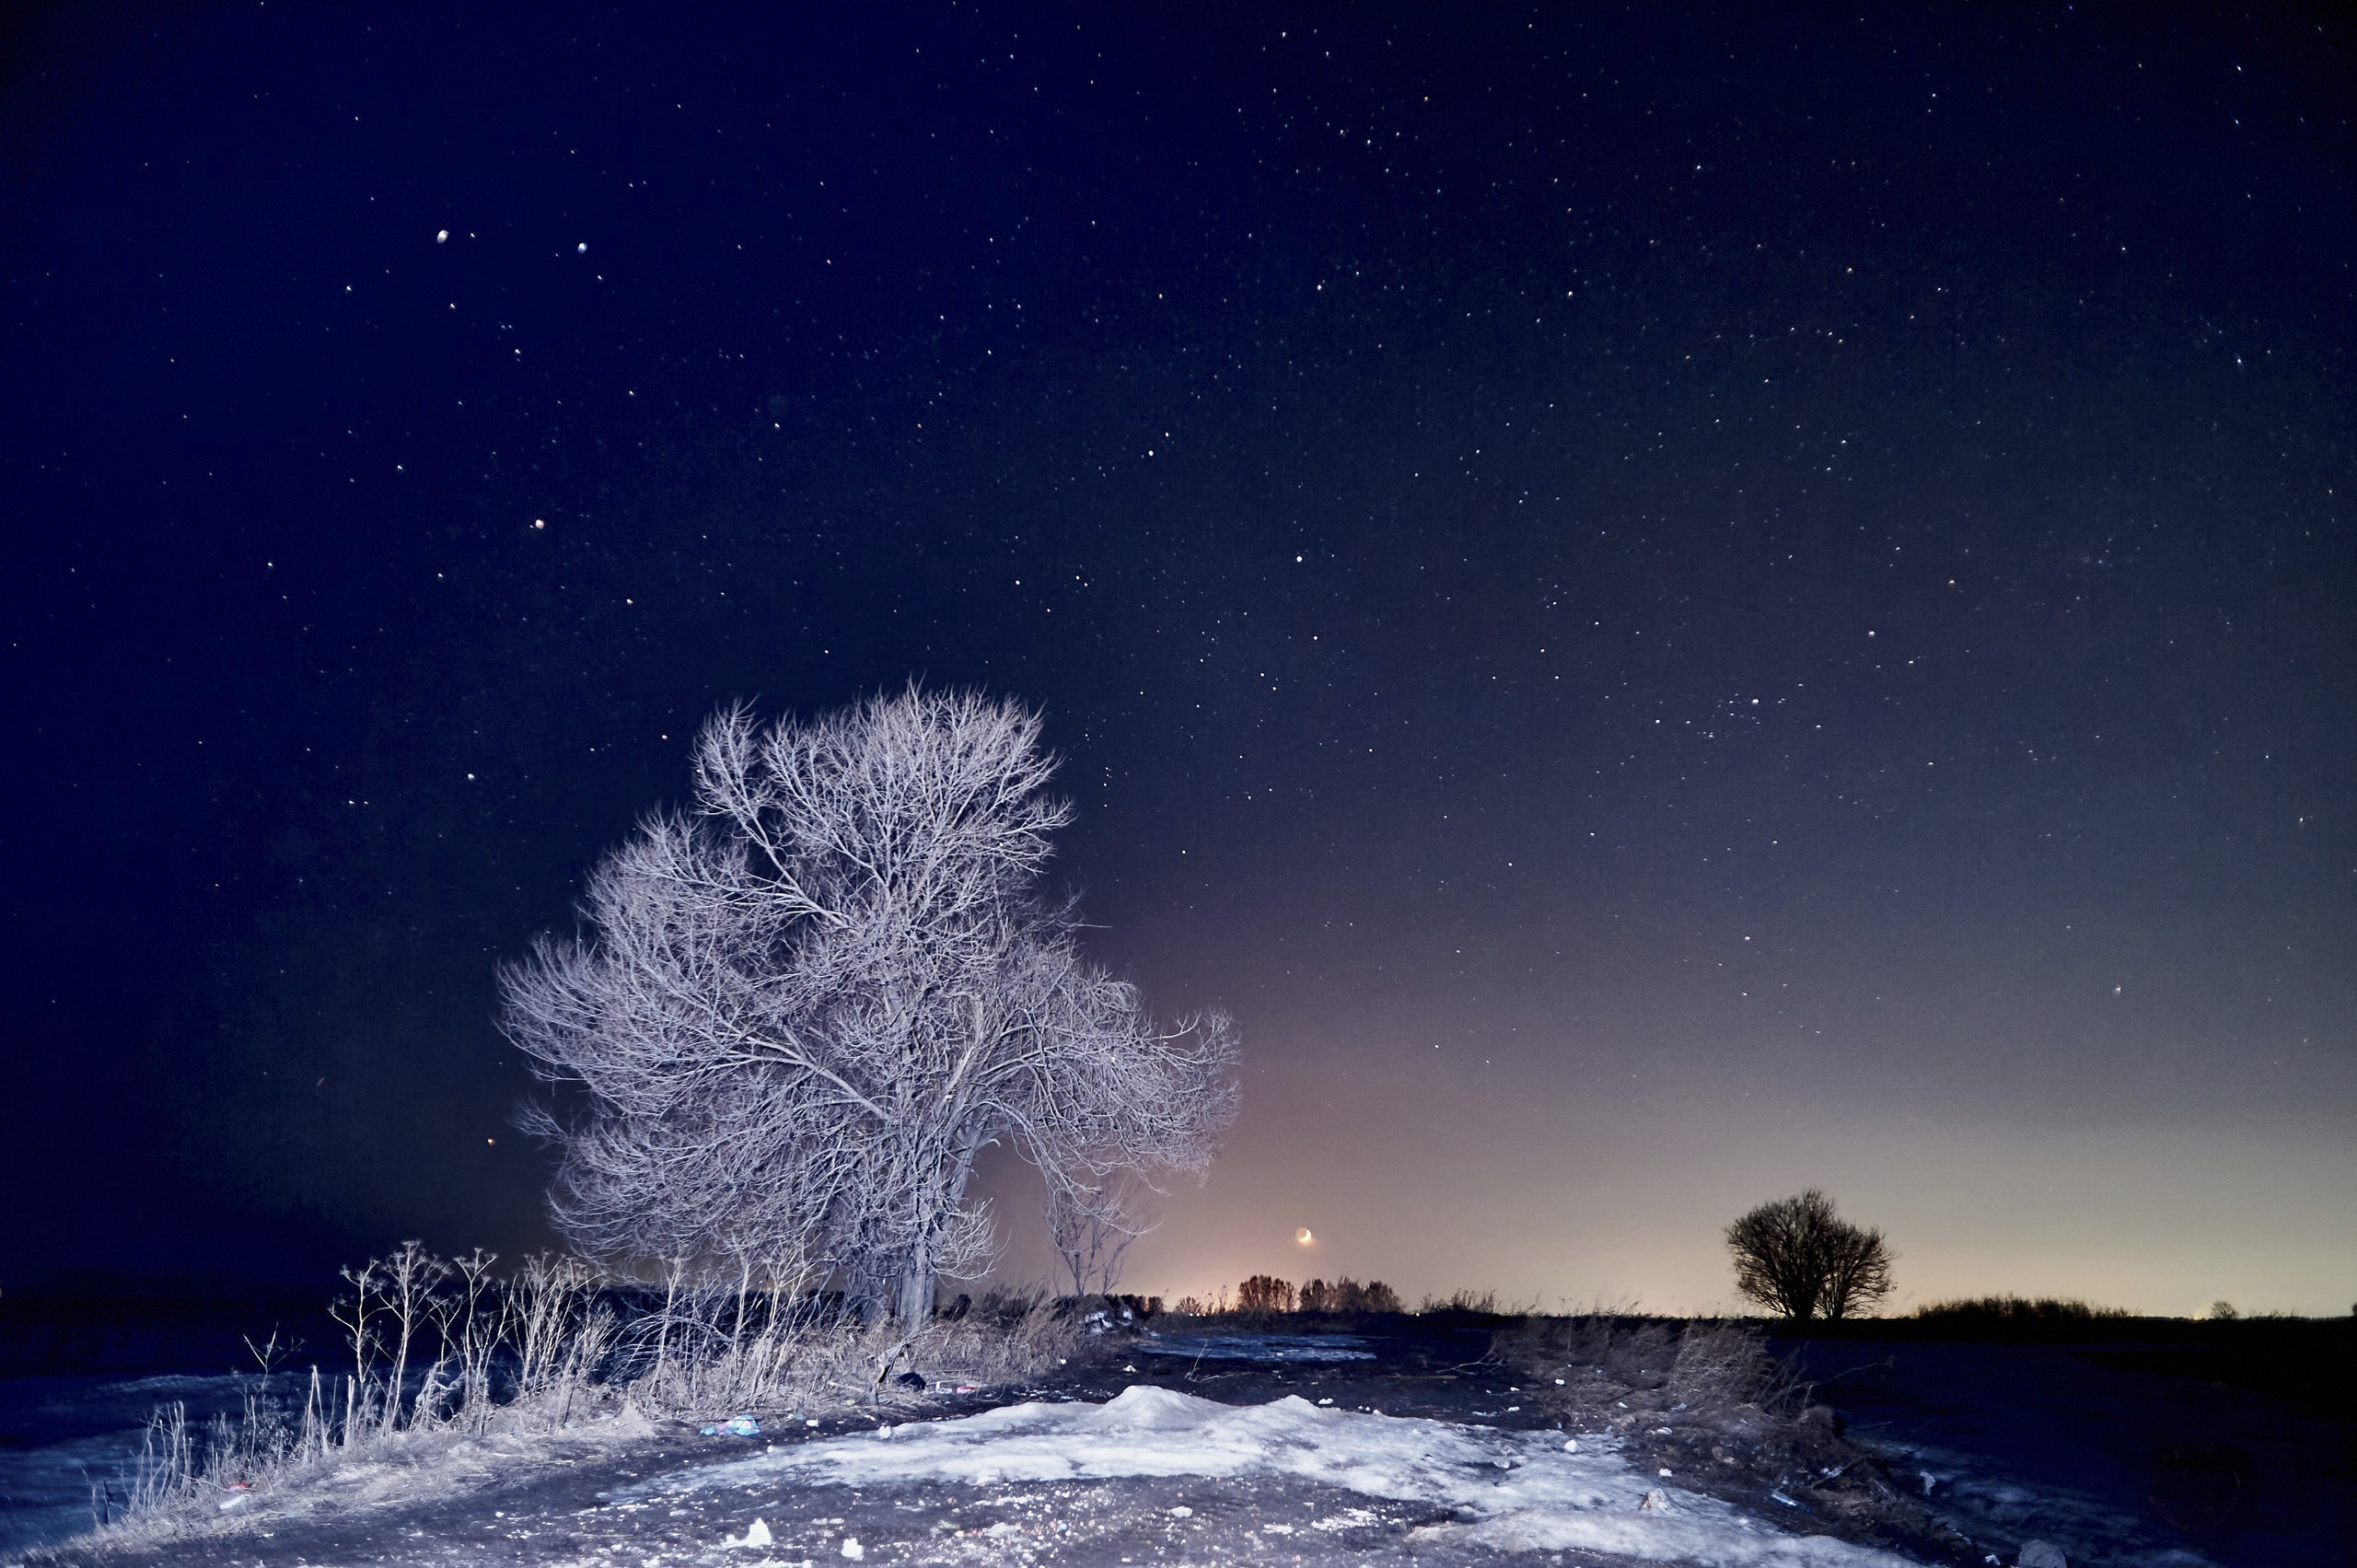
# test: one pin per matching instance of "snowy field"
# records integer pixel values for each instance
(1518, 1490)
(1150, 1475)
(1310, 1450)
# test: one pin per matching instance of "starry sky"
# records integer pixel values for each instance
(1668, 604)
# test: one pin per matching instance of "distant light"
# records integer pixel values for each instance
(582, 248)
(539, 522)
(1303, 1236)
(441, 236)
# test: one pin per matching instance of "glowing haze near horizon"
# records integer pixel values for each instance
(1668, 610)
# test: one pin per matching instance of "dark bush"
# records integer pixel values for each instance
(1798, 1259)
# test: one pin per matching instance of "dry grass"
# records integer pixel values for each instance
(1609, 1364)
(1706, 1401)
(556, 1350)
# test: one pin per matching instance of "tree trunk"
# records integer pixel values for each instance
(915, 1306)
(913, 1301)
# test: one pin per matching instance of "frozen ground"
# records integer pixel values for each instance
(1520, 1490)
(1152, 1475)
(2133, 1468)
(1383, 1449)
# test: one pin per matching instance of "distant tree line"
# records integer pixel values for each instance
(1265, 1293)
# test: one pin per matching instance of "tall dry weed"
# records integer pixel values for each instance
(442, 1350)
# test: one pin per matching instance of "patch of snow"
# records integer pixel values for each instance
(1521, 1489)
(756, 1534)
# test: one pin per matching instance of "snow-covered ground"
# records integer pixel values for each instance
(1519, 1491)
(61, 1435)
(1296, 1460)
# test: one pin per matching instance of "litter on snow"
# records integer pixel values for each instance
(1520, 1490)
(736, 1427)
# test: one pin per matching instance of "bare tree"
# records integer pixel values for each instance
(1346, 1295)
(1264, 1292)
(1797, 1257)
(1092, 1218)
(808, 1005)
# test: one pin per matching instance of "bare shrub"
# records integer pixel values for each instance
(1008, 1337)
(467, 1319)
(545, 1312)
(1729, 1363)
(1799, 1258)
(1092, 1219)
(2011, 1309)
(1707, 1401)
(1597, 1368)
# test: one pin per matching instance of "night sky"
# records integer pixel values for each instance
(1669, 604)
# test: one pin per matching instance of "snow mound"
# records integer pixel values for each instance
(1521, 1490)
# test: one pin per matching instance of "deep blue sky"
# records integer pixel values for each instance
(1668, 606)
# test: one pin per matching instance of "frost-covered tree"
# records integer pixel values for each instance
(1798, 1257)
(803, 1008)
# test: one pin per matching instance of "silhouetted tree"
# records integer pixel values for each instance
(1797, 1257)
(1347, 1295)
(1264, 1292)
